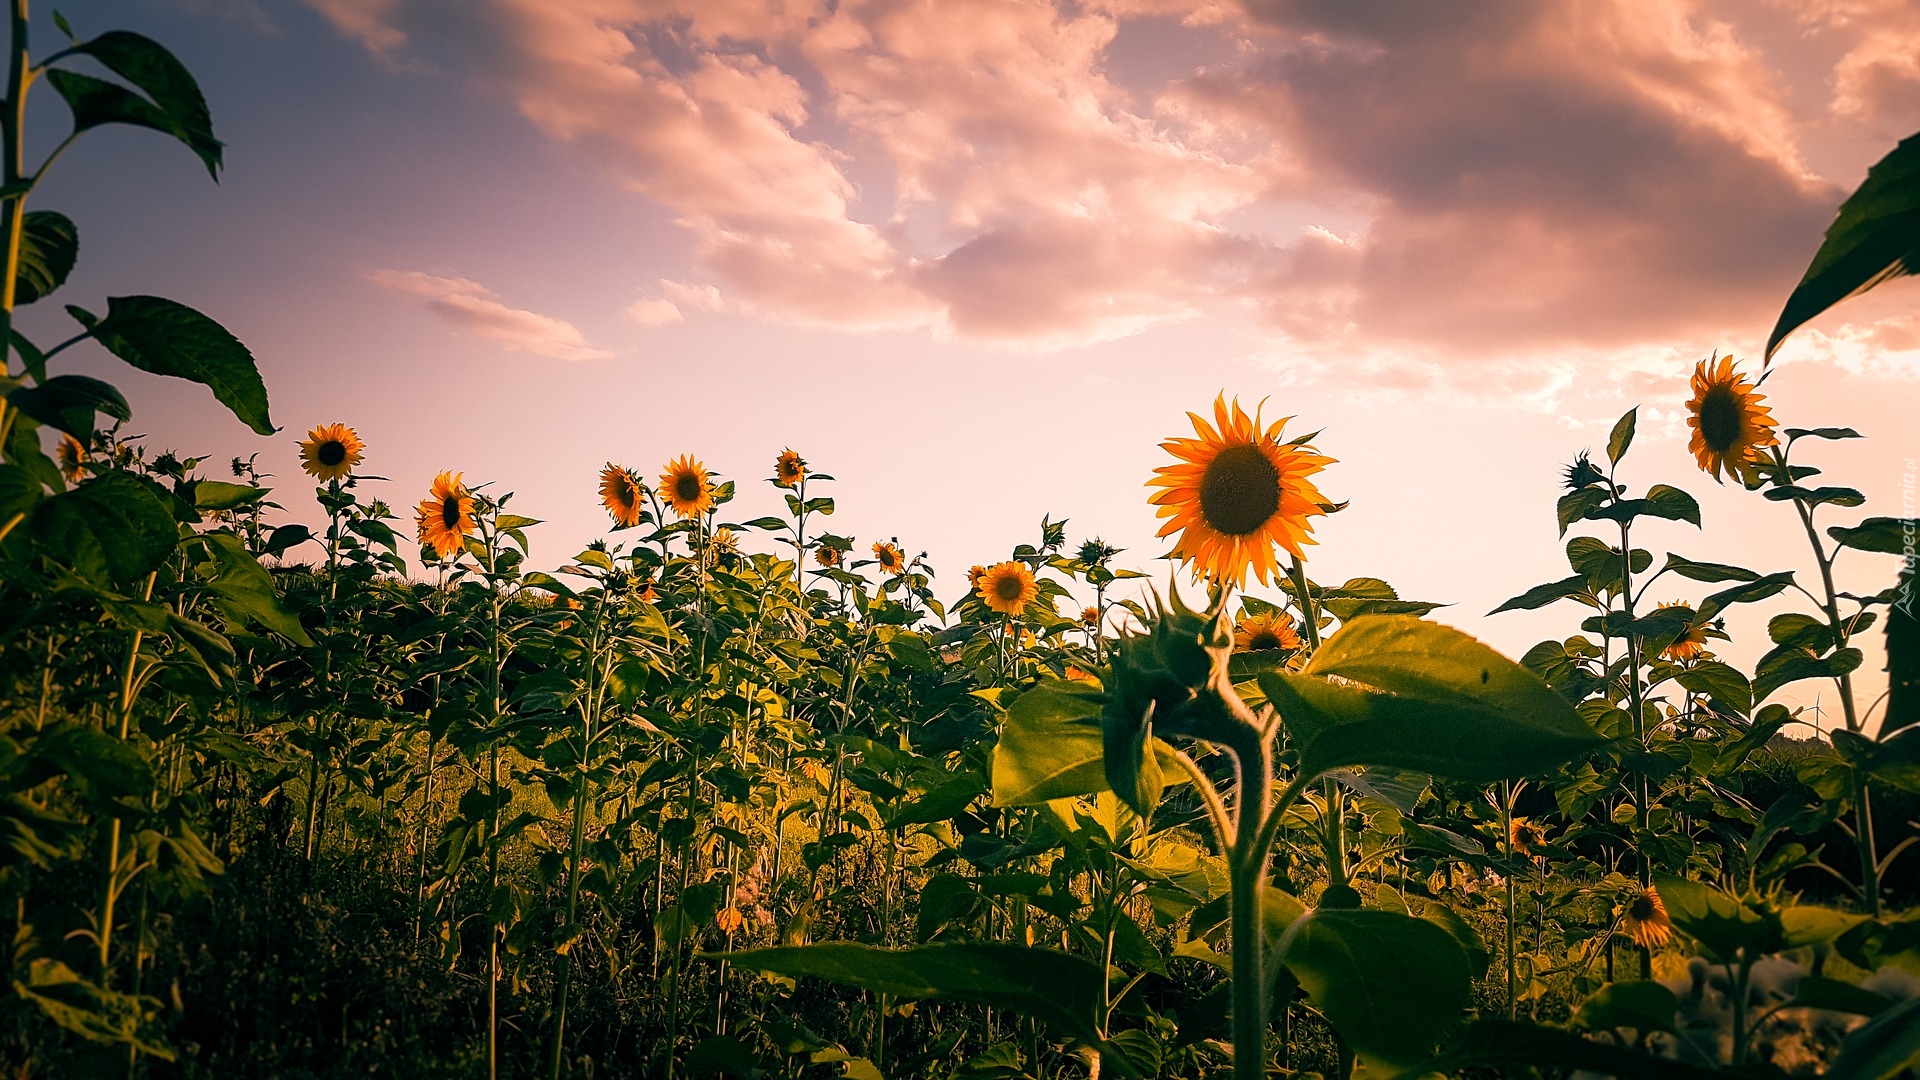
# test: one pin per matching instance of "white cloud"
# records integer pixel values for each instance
(475, 309)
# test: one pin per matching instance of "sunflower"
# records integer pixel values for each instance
(1526, 837)
(789, 468)
(1690, 645)
(1729, 423)
(1259, 633)
(72, 458)
(1076, 673)
(620, 493)
(687, 487)
(330, 451)
(890, 558)
(974, 574)
(827, 555)
(1644, 919)
(1236, 493)
(723, 548)
(1090, 618)
(1008, 587)
(445, 517)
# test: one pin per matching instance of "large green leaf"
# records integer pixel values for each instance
(170, 338)
(1052, 747)
(112, 530)
(1059, 988)
(1643, 1005)
(245, 589)
(1433, 700)
(1527, 1047)
(1390, 984)
(1722, 923)
(49, 245)
(173, 105)
(1884, 1049)
(69, 402)
(1876, 238)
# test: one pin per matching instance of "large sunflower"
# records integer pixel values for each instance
(1008, 587)
(1260, 633)
(621, 493)
(445, 517)
(1729, 423)
(330, 451)
(1645, 920)
(687, 487)
(1236, 493)
(789, 468)
(892, 561)
(1690, 645)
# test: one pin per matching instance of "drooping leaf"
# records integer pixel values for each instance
(1061, 989)
(1390, 984)
(112, 530)
(49, 246)
(220, 495)
(69, 402)
(1722, 923)
(1643, 1005)
(1052, 747)
(1541, 595)
(1893, 536)
(245, 589)
(1875, 238)
(169, 338)
(1707, 571)
(173, 102)
(1724, 683)
(1433, 700)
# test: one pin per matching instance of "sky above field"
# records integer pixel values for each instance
(975, 258)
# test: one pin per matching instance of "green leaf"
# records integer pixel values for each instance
(245, 589)
(1707, 571)
(1744, 593)
(1390, 984)
(1451, 706)
(1576, 505)
(1886, 1047)
(1528, 1047)
(1891, 536)
(1875, 238)
(1061, 989)
(1822, 433)
(1622, 435)
(287, 536)
(220, 495)
(1788, 664)
(112, 529)
(169, 338)
(1541, 595)
(1817, 992)
(1719, 921)
(68, 403)
(1724, 683)
(1672, 504)
(176, 105)
(1052, 746)
(49, 245)
(1838, 496)
(1642, 1005)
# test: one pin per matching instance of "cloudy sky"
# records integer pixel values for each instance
(976, 257)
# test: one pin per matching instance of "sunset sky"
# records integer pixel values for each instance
(976, 258)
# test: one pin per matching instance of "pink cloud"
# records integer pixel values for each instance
(1519, 175)
(474, 309)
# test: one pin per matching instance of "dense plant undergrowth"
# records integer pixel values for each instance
(752, 798)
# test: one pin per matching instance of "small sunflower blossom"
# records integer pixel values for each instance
(1526, 837)
(1090, 618)
(687, 487)
(444, 518)
(1690, 645)
(1236, 494)
(889, 558)
(1730, 426)
(1644, 919)
(622, 494)
(330, 452)
(827, 556)
(1265, 632)
(1008, 587)
(72, 459)
(789, 469)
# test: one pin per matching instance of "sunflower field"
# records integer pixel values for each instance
(749, 798)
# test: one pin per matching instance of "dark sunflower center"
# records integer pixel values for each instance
(331, 452)
(686, 487)
(1008, 588)
(1720, 419)
(1641, 909)
(1240, 490)
(1263, 639)
(450, 512)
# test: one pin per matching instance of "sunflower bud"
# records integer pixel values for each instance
(1583, 473)
(1166, 678)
